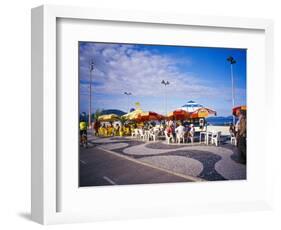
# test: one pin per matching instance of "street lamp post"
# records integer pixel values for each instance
(128, 95)
(165, 83)
(232, 61)
(90, 94)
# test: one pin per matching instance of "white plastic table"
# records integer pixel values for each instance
(206, 134)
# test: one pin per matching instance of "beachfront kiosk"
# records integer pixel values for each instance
(198, 114)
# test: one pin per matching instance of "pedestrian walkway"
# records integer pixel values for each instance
(205, 162)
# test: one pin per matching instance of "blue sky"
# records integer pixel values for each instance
(195, 73)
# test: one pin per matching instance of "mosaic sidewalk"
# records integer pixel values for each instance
(205, 162)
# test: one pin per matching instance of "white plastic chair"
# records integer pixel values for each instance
(135, 133)
(180, 136)
(200, 136)
(153, 134)
(168, 138)
(215, 139)
(191, 137)
(146, 135)
(233, 139)
(141, 134)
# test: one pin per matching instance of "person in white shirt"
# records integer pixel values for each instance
(191, 133)
(192, 130)
(180, 130)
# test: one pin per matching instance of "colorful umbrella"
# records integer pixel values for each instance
(203, 112)
(132, 115)
(178, 114)
(241, 108)
(108, 117)
(149, 116)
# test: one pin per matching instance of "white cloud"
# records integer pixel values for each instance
(120, 68)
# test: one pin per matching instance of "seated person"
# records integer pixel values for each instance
(191, 132)
(180, 130)
(169, 131)
(102, 130)
(117, 130)
(232, 129)
(127, 130)
(110, 130)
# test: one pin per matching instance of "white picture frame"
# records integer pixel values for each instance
(45, 182)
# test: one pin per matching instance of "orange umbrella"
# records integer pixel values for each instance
(242, 108)
(203, 112)
(178, 114)
(149, 116)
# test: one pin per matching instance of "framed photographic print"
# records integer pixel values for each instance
(137, 114)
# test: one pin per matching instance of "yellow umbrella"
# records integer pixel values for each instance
(108, 117)
(203, 112)
(133, 115)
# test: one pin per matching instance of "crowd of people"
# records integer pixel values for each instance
(179, 130)
(107, 129)
(110, 129)
(165, 128)
(170, 129)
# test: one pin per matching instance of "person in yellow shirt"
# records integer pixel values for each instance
(102, 131)
(110, 130)
(127, 130)
(83, 132)
(117, 130)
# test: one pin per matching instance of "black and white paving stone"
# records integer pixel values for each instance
(206, 162)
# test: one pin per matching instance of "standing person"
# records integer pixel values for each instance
(236, 127)
(238, 114)
(83, 132)
(201, 123)
(232, 129)
(117, 130)
(96, 127)
(242, 135)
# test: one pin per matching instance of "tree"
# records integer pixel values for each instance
(96, 115)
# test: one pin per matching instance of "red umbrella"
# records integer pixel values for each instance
(149, 116)
(178, 114)
(241, 108)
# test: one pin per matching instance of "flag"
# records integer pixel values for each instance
(137, 104)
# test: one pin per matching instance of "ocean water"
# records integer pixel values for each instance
(220, 121)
